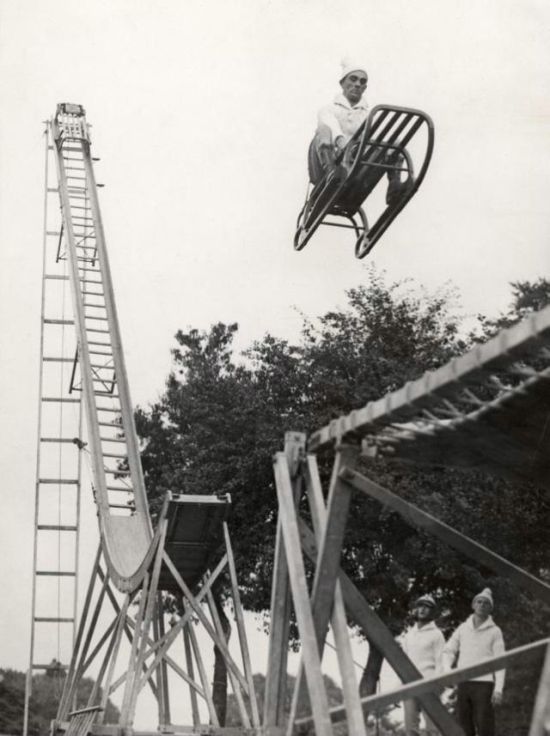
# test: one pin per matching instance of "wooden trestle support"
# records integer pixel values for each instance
(335, 600)
(177, 568)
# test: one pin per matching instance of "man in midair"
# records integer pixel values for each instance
(423, 643)
(476, 639)
(339, 121)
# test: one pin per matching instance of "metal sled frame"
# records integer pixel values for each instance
(387, 130)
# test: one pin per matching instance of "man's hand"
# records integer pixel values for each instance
(340, 142)
(496, 698)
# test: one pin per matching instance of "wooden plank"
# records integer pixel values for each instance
(425, 685)
(332, 528)
(300, 596)
(202, 671)
(239, 616)
(275, 681)
(350, 686)
(540, 724)
(422, 520)
(377, 631)
(245, 720)
(279, 631)
(191, 673)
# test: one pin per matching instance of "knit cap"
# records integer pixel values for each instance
(425, 600)
(487, 594)
(351, 65)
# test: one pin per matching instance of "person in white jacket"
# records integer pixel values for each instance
(476, 639)
(423, 643)
(336, 124)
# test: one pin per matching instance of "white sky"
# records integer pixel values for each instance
(202, 112)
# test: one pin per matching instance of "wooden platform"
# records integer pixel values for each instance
(194, 538)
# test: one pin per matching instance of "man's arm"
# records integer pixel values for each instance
(450, 651)
(438, 647)
(328, 118)
(498, 648)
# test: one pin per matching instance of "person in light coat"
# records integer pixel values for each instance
(338, 121)
(423, 643)
(476, 639)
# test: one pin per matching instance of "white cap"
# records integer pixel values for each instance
(487, 594)
(351, 65)
(425, 600)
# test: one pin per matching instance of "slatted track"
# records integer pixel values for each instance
(489, 409)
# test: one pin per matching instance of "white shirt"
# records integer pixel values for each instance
(424, 647)
(343, 118)
(469, 645)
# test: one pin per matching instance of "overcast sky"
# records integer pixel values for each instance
(202, 113)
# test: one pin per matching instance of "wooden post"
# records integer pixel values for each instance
(275, 685)
(300, 597)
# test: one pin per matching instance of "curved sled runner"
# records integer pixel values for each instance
(386, 143)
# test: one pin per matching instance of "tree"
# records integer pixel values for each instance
(220, 419)
(46, 693)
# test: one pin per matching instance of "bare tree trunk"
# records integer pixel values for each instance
(371, 673)
(219, 686)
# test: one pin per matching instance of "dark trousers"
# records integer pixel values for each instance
(474, 708)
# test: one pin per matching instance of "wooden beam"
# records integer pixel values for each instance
(331, 527)
(540, 724)
(422, 520)
(276, 675)
(239, 617)
(350, 686)
(377, 631)
(300, 597)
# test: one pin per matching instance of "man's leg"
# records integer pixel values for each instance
(411, 713)
(464, 711)
(484, 714)
(322, 156)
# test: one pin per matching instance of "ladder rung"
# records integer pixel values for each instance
(96, 365)
(105, 393)
(58, 321)
(56, 277)
(99, 344)
(53, 189)
(115, 488)
(56, 528)
(61, 399)
(58, 481)
(121, 506)
(53, 232)
(92, 316)
(93, 329)
(57, 573)
(91, 281)
(53, 359)
(94, 306)
(51, 620)
(98, 352)
(68, 440)
(122, 473)
(105, 408)
(110, 424)
(117, 457)
(112, 439)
